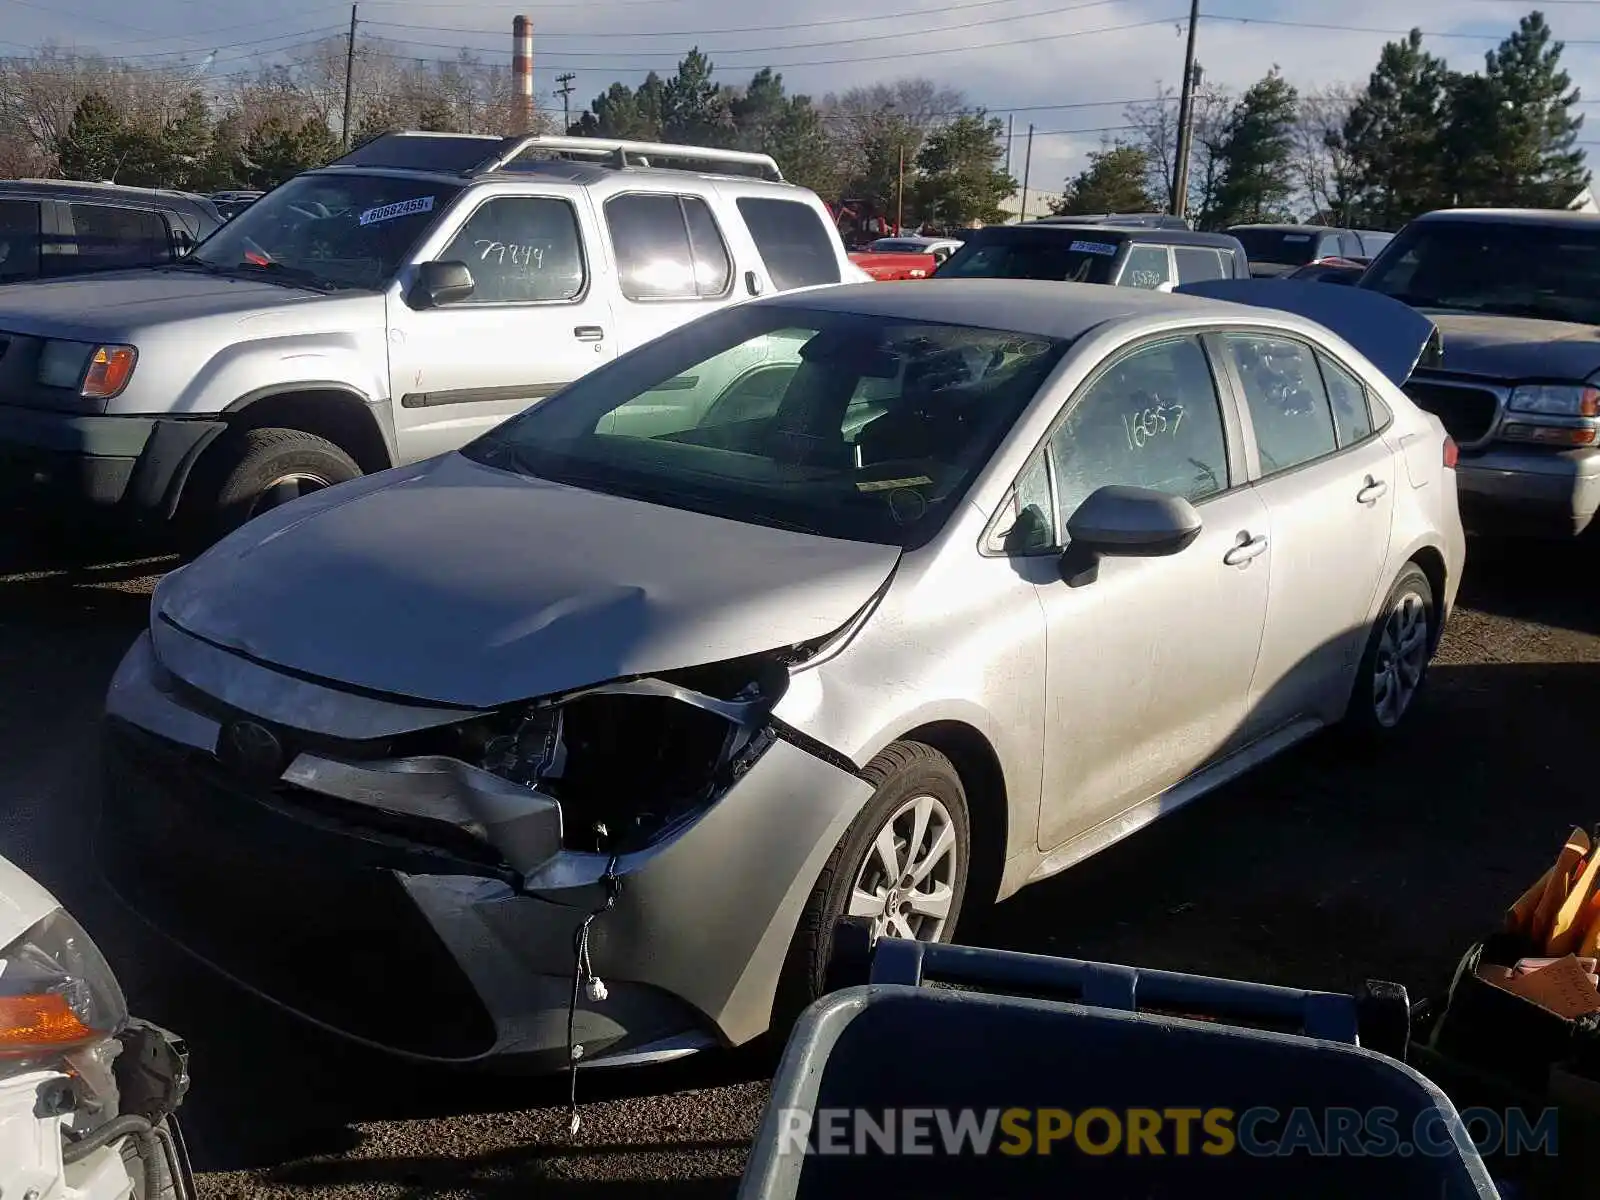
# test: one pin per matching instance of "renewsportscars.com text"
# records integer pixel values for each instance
(1212, 1132)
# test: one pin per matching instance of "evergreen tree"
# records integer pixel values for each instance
(95, 143)
(960, 172)
(1514, 131)
(1256, 152)
(1114, 181)
(1394, 137)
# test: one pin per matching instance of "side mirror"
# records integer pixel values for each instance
(441, 283)
(1127, 522)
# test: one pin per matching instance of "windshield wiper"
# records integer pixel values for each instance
(275, 271)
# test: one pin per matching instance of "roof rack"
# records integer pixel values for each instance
(471, 154)
(622, 154)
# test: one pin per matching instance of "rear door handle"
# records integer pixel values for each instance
(589, 333)
(1372, 491)
(1248, 548)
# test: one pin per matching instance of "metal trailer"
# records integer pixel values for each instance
(953, 1030)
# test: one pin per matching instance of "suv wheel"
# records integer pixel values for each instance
(264, 468)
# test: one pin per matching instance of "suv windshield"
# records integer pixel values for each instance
(1511, 270)
(863, 428)
(1285, 247)
(1061, 255)
(329, 230)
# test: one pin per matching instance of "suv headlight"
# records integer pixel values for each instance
(57, 993)
(1556, 400)
(95, 372)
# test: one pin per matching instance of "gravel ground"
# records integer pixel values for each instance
(1320, 870)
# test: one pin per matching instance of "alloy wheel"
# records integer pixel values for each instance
(1401, 660)
(906, 885)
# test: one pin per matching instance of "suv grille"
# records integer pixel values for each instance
(1468, 412)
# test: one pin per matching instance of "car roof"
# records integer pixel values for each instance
(1136, 233)
(1042, 307)
(1290, 228)
(76, 189)
(1514, 216)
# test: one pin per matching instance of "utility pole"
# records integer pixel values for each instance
(1011, 137)
(900, 191)
(349, 76)
(1027, 167)
(1191, 77)
(565, 92)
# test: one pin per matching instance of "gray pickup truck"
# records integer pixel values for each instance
(1516, 297)
(382, 310)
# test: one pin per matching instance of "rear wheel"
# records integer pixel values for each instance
(902, 868)
(1398, 651)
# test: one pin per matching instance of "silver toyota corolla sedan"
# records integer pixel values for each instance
(883, 600)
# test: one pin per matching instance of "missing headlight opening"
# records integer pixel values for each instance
(629, 761)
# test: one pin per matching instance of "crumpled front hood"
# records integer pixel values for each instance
(461, 584)
(1517, 348)
(110, 302)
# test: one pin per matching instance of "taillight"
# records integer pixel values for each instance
(1452, 452)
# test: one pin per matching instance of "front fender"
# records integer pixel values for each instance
(355, 362)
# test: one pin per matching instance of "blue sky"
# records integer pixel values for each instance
(1066, 66)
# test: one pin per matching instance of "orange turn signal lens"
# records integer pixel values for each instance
(109, 371)
(1549, 435)
(43, 1021)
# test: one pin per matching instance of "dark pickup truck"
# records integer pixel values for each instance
(1515, 294)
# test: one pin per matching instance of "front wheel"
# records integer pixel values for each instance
(1398, 651)
(255, 471)
(902, 867)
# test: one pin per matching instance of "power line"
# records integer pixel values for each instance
(1427, 33)
(698, 33)
(676, 56)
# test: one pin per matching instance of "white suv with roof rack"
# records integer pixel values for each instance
(383, 309)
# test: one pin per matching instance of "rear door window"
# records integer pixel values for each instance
(792, 241)
(105, 236)
(19, 240)
(1199, 263)
(668, 247)
(1146, 267)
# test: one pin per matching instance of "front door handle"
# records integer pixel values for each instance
(1372, 491)
(589, 333)
(1247, 548)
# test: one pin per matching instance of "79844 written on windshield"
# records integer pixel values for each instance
(837, 424)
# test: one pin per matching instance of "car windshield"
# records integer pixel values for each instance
(897, 246)
(336, 231)
(863, 428)
(1286, 247)
(1511, 270)
(1059, 255)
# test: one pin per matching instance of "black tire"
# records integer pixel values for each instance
(1362, 717)
(903, 771)
(252, 462)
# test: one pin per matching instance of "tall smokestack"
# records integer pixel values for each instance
(522, 72)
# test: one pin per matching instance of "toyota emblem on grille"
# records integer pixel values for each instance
(251, 749)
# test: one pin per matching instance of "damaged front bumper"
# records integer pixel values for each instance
(429, 907)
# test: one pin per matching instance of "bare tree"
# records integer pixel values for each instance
(1323, 166)
(868, 125)
(1154, 125)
